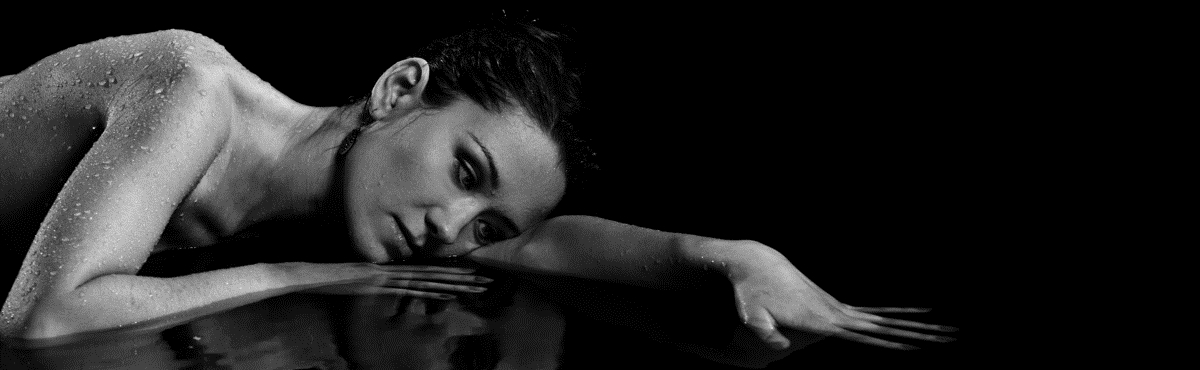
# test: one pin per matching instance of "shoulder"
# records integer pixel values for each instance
(111, 72)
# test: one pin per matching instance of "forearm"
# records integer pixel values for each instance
(117, 300)
(599, 249)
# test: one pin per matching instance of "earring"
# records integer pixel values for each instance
(349, 141)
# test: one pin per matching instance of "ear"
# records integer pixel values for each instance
(399, 90)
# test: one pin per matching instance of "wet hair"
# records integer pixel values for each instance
(503, 64)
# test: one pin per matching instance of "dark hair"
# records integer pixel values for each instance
(504, 64)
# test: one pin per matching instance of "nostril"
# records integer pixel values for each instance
(435, 233)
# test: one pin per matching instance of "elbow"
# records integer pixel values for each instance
(43, 319)
(39, 324)
(44, 325)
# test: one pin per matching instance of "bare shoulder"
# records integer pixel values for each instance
(106, 73)
(136, 90)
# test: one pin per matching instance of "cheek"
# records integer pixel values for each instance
(413, 176)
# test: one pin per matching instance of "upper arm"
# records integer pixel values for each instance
(161, 135)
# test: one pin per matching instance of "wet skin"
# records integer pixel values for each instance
(449, 166)
(144, 143)
(184, 142)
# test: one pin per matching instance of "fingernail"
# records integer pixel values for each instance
(947, 328)
(477, 288)
(483, 279)
(945, 339)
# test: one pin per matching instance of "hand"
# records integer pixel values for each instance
(771, 294)
(369, 279)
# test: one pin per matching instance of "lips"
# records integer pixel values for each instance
(403, 247)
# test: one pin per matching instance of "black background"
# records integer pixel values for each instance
(876, 148)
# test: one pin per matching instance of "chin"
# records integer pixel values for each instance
(369, 249)
(374, 254)
(446, 261)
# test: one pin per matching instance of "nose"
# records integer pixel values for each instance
(446, 221)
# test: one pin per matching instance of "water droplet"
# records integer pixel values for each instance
(138, 54)
(159, 91)
(145, 148)
(89, 106)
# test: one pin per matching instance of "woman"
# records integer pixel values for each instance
(166, 142)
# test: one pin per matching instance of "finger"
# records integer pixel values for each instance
(439, 276)
(901, 323)
(405, 292)
(421, 268)
(900, 333)
(428, 285)
(763, 325)
(892, 309)
(849, 335)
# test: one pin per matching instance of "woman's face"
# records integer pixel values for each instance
(440, 183)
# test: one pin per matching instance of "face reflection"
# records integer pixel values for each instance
(440, 183)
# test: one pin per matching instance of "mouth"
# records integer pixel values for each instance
(444, 262)
(403, 248)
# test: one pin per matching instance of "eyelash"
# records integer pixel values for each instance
(468, 178)
(466, 169)
(482, 239)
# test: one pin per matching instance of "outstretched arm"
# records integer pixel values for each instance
(770, 293)
(594, 248)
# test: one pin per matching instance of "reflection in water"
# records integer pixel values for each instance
(512, 325)
(282, 333)
(305, 331)
(507, 325)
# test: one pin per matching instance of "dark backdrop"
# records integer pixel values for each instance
(873, 147)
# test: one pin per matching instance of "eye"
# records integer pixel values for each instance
(486, 234)
(468, 178)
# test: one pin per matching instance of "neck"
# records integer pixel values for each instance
(299, 179)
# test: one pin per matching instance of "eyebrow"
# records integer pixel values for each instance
(494, 175)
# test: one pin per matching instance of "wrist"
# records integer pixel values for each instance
(288, 275)
(733, 258)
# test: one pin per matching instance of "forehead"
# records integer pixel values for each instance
(527, 161)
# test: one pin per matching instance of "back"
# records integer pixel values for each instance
(54, 111)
